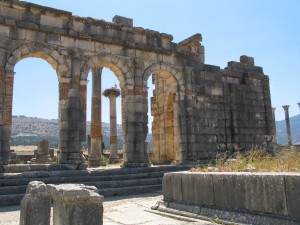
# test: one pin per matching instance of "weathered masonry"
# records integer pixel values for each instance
(198, 109)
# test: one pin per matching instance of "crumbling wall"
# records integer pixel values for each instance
(228, 109)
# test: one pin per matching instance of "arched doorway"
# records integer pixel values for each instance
(98, 115)
(164, 110)
(99, 66)
(29, 50)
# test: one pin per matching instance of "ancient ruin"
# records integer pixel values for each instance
(198, 109)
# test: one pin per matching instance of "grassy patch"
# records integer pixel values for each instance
(255, 160)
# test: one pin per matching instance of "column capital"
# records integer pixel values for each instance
(285, 107)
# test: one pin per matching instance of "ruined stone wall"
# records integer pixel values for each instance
(198, 109)
(228, 109)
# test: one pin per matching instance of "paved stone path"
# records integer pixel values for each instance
(120, 210)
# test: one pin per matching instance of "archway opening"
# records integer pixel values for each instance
(34, 106)
(108, 80)
(162, 106)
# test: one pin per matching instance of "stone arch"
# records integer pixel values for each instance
(168, 72)
(58, 62)
(166, 114)
(121, 67)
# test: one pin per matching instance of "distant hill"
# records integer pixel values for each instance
(30, 130)
(295, 130)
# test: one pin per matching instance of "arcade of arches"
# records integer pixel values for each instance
(199, 109)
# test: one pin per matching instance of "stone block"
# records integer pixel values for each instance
(266, 193)
(203, 186)
(292, 184)
(229, 191)
(123, 21)
(188, 190)
(35, 205)
(172, 187)
(247, 60)
(2, 58)
(51, 21)
(19, 168)
(4, 31)
(76, 204)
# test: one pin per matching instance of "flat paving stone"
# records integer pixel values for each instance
(118, 210)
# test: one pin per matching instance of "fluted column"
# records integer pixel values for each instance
(95, 156)
(274, 127)
(112, 94)
(287, 121)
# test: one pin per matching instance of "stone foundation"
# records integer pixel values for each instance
(268, 194)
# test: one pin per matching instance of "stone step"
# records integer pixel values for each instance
(77, 179)
(125, 183)
(13, 190)
(130, 190)
(99, 184)
(12, 199)
(109, 182)
(15, 199)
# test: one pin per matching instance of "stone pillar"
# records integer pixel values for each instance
(35, 205)
(136, 129)
(95, 156)
(43, 153)
(76, 204)
(298, 104)
(112, 94)
(7, 80)
(70, 121)
(274, 127)
(287, 121)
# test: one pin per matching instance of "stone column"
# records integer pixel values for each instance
(274, 127)
(7, 80)
(298, 104)
(70, 120)
(287, 121)
(95, 156)
(112, 94)
(135, 113)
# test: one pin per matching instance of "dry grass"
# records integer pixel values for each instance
(256, 160)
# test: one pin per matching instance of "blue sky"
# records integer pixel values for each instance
(268, 30)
